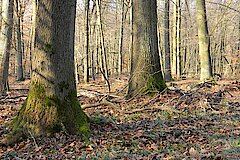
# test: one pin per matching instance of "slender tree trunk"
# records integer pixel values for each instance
(204, 41)
(0, 14)
(120, 58)
(167, 65)
(86, 57)
(52, 103)
(146, 75)
(130, 48)
(174, 40)
(32, 46)
(19, 44)
(5, 43)
(103, 54)
(178, 40)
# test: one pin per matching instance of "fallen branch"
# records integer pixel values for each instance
(104, 103)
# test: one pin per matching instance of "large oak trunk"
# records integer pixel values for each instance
(52, 103)
(146, 74)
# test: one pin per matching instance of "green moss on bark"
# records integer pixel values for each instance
(42, 114)
(153, 84)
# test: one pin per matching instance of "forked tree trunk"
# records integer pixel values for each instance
(52, 103)
(146, 74)
(204, 41)
(5, 43)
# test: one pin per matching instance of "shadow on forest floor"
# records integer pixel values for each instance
(190, 121)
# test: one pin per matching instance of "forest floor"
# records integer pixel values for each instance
(190, 120)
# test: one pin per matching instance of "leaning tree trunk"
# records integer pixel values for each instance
(204, 41)
(146, 74)
(5, 43)
(52, 103)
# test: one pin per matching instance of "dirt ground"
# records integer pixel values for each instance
(190, 120)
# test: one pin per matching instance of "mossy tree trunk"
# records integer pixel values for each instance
(146, 74)
(204, 41)
(52, 103)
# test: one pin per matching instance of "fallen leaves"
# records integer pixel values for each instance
(184, 124)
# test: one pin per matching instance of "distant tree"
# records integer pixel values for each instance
(166, 41)
(19, 43)
(52, 103)
(204, 41)
(86, 57)
(5, 43)
(146, 74)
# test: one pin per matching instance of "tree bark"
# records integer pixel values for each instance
(120, 58)
(19, 45)
(5, 42)
(86, 57)
(52, 103)
(204, 41)
(167, 65)
(146, 75)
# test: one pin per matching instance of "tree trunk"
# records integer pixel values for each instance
(52, 103)
(178, 40)
(86, 57)
(5, 42)
(32, 46)
(146, 74)
(120, 59)
(167, 66)
(204, 41)
(174, 40)
(19, 44)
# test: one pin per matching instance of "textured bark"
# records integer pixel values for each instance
(52, 103)
(120, 58)
(86, 58)
(19, 44)
(5, 43)
(204, 41)
(167, 65)
(146, 75)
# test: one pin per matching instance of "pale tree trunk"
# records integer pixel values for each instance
(32, 45)
(19, 44)
(86, 57)
(120, 58)
(167, 65)
(5, 43)
(130, 48)
(178, 40)
(204, 41)
(174, 40)
(0, 14)
(103, 54)
(52, 103)
(146, 75)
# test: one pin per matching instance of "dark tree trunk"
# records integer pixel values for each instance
(52, 103)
